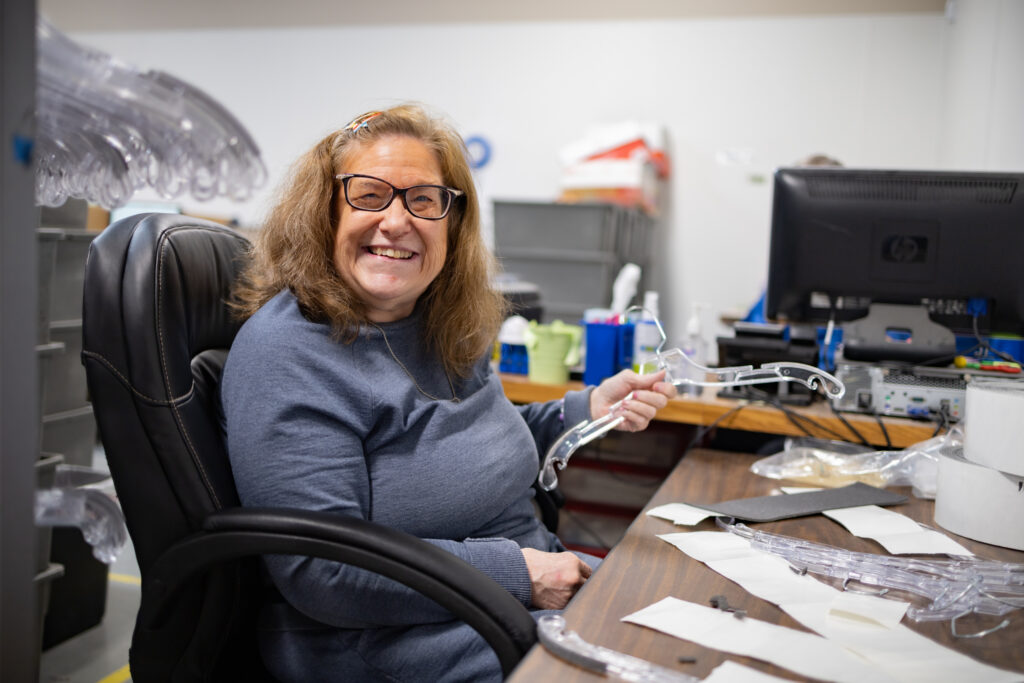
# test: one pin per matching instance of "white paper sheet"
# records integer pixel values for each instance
(681, 513)
(765, 575)
(804, 653)
(897, 533)
(904, 654)
(867, 608)
(734, 672)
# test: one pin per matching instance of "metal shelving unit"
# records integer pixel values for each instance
(572, 252)
(19, 425)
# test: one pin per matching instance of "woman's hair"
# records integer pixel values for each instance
(295, 247)
(819, 160)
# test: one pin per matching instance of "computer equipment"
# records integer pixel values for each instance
(902, 390)
(759, 343)
(947, 243)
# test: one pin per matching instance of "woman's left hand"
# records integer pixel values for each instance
(650, 394)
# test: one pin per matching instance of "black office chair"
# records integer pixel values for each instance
(156, 329)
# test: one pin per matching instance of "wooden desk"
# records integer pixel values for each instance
(643, 569)
(752, 417)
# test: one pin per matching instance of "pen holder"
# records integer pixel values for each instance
(552, 350)
(609, 349)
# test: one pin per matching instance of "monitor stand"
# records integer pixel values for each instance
(897, 333)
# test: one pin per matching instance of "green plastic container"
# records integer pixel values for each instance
(552, 350)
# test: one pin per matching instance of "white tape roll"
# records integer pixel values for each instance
(979, 502)
(994, 424)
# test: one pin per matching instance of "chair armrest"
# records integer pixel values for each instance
(237, 533)
(549, 503)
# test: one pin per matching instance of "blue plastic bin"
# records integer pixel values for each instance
(609, 349)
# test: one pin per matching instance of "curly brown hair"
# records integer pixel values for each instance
(295, 247)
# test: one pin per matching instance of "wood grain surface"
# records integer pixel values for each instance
(643, 569)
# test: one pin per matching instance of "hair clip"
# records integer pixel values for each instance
(362, 121)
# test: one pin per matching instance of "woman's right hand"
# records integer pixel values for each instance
(554, 577)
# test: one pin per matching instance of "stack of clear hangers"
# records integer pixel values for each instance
(952, 587)
(105, 130)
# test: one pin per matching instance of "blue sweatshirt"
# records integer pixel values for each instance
(349, 428)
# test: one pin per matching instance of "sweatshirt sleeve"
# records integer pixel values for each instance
(548, 420)
(291, 447)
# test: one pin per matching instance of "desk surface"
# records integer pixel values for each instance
(643, 569)
(748, 416)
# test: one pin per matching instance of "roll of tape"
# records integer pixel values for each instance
(979, 502)
(994, 424)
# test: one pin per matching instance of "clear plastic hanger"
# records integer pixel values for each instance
(105, 129)
(952, 588)
(568, 645)
(680, 371)
(74, 501)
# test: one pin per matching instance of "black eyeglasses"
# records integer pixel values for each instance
(367, 193)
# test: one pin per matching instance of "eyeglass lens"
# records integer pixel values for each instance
(422, 201)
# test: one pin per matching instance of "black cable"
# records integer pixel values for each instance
(885, 432)
(703, 431)
(853, 430)
(985, 346)
(941, 361)
(981, 348)
(793, 416)
(943, 421)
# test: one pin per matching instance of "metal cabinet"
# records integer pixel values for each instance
(572, 252)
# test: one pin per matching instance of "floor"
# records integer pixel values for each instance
(100, 654)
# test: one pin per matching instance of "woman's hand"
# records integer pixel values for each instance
(554, 577)
(650, 394)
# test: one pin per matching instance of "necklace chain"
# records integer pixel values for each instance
(453, 399)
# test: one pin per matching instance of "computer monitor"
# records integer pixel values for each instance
(843, 239)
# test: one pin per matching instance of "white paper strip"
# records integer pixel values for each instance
(867, 608)
(681, 513)
(904, 654)
(895, 532)
(734, 672)
(804, 653)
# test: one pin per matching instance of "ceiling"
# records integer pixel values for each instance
(133, 15)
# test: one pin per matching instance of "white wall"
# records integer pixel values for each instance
(984, 102)
(867, 89)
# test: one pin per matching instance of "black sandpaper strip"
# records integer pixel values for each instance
(772, 508)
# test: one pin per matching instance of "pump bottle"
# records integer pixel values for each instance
(693, 345)
(646, 336)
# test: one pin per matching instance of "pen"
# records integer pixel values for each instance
(989, 365)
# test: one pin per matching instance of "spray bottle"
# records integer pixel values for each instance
(646, 336)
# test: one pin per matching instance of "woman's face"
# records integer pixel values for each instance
(390, 257)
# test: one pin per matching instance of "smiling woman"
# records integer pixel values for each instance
(405, 149)
(359, 385)
(389, 252)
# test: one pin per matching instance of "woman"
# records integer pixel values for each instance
(360, 385)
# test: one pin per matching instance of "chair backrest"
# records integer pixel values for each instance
(156, 329)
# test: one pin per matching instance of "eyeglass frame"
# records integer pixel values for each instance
(453, 194)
